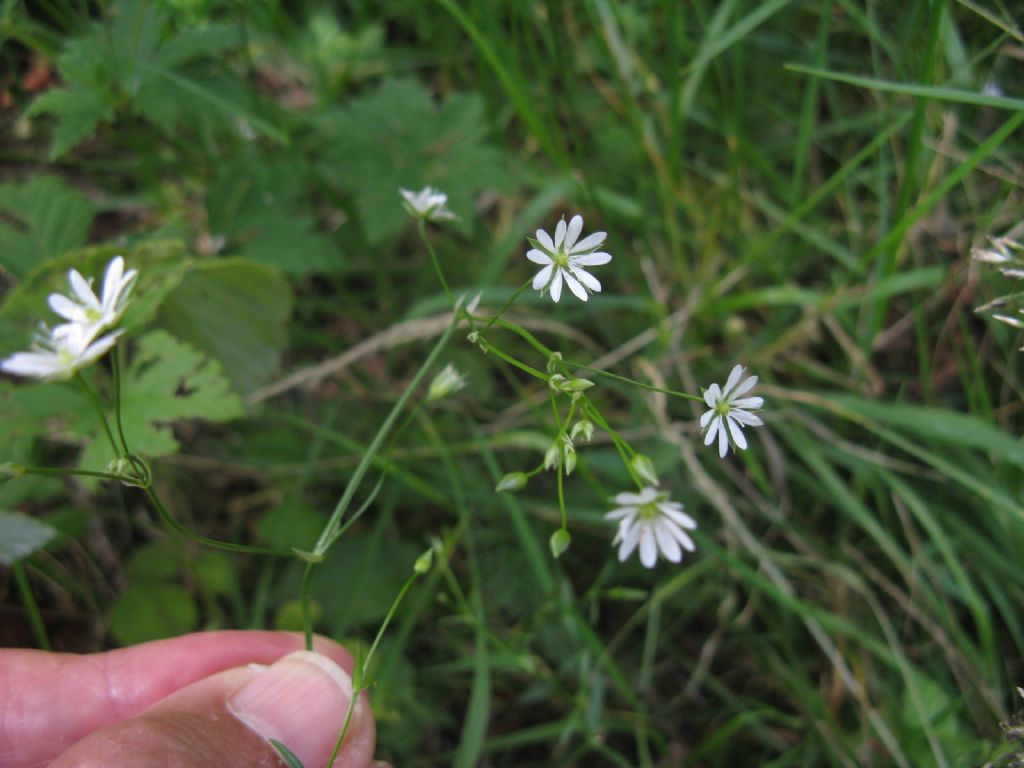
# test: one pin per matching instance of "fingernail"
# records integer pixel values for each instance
(301, 701)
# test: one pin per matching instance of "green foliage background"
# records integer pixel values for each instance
(791, 184)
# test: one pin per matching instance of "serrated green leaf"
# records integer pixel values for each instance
(20, 536)
(257, 203)
(136, 60)
(397, 137)
(166, 381)
(43, 218)
(236, 312)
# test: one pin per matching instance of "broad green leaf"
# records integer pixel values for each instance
(20, 536)
(258, 202)
(136, 60)
(151, 610)
(398, 137)
(41, 218)
(237, 313)
(166, 381)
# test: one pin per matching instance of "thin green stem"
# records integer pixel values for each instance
(634, 382)
(98, 407)
(435, 261)
(364, 668)
(327, 535)
(116, 364)
(28, 599)
(512, 361)
(65, 472)
(507, 304)
(561, 499)
(307, 613)
(215, 543)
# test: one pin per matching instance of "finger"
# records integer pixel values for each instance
(227, 720)
(49, 701)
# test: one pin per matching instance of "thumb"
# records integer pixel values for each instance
(229, 718)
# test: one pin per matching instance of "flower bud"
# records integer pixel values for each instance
(559, 542)
(447, 382)
(643, 467)
(424, 562)
(513, 481)
(583, 429)
(568, 455)
(554, 361)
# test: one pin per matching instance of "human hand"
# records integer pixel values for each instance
(199, 700)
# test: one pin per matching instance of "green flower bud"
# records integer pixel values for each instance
(644, 468)
(583, 429)
(513, 481)
(424, 562)
(559, 542)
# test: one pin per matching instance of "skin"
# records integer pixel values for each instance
(164, 703)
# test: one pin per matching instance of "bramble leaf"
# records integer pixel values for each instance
(398, 137)
(167, 381)
(41, 219)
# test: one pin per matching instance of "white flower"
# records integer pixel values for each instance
(447, 382)
(650, 520)
(58, 354)
(92, 313)
(428, 203)
(564, 258)
(728, 415)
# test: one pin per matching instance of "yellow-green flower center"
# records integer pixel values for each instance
(722, 408)
(561, 259)
(648, 511)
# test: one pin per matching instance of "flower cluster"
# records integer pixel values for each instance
(648, 522)
(59, 352)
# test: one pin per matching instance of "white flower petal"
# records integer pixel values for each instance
(556, 286)
(723, 439)
(716, 424)
(620, 513)
(648, 547)
(679, 517)
(630, 538)
(572, 233)
(545, 240)
(559, 235)
(736, 431)
(591, 282)
(541, 279)
(82, 289)
(705, 418)
(112, 279)
(712, 395)
(588, 243)
(667, 542)
(748, 402)
(745, 387)
(733, 380)
(538, 257)
(595, 259)
(67, 309)
(574, 286)
(747, 419)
